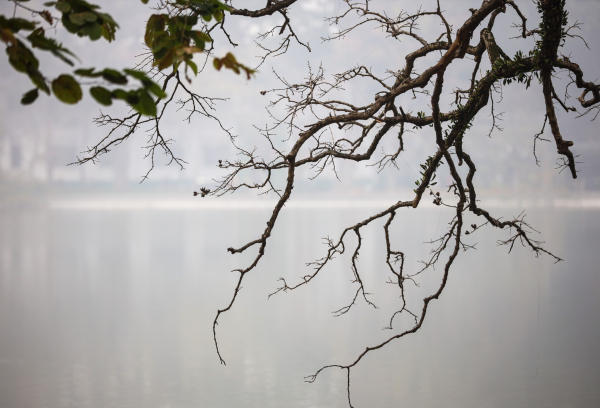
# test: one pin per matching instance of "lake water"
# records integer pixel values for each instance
(113, 307)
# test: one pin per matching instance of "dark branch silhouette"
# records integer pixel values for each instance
(324, 128)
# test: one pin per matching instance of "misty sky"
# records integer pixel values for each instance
(201, 143)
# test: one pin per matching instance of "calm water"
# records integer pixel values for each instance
(114, 309)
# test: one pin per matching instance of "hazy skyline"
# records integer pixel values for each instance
(37, 142)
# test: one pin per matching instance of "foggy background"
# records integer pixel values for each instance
(37, 142)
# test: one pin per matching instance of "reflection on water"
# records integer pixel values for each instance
(114, 309)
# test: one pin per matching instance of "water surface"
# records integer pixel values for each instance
(114, 308)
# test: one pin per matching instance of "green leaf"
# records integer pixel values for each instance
(193, 66)
(88, 72)
(132, 98)
(146, 105)
(102, 95)
(67, 89)
(89, 16)
(92, 30)
(109, 26)
(38, 40)
(30, 97)
(119, 94)
(38, 80)
(137, 74)
(202, 36)
(82, 18)
(185, 21)
(107, 19)
(155, 25)
(149, 84)
(21, 58)
(63, 6)
(72, 28)
(17, 24)
(162, 43)
(114, 76)
(168, 59)
(155, 89)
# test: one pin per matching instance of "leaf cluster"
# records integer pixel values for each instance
(139, 99)
(547, 35)
(424, 168)
(21, 58)
(68, 90)
(82, 18)
(173, 38)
